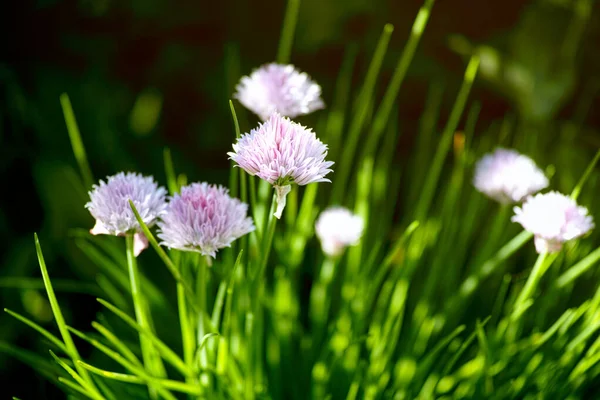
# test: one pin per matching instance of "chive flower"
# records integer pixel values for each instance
(553, 218)
(109, 205)
(204, 219)
(282, 152)
(338, 228)
(277, 88)
(508, 176)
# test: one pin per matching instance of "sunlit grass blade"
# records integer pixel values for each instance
(56, 341)
(577, 190)
(122, 361)
(445, 141)
(166, 383)
(578, 269)
(58, 316)
(383, 112)
(360, 116)
(75, 387)
(170, 172)
(90, 392)
(164, 350)
(287, 32)
(151, 360)
(76, 142)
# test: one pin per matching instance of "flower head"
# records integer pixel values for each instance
(279, 88)
(338, 228)
(203, 218)
(508, 177)
(282, 152)
(553, 218)
(109, 205)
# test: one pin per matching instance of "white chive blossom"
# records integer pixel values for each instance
(337, 228)
(276, 88)
(508, 176)
(204, 219)
(282, 152)
(553, 218)
(109, 205)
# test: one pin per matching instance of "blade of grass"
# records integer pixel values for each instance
(383, 112)
(170, 172)
(164, 350)
(90, 392)
(431, 183)
(578, 269)
(56, 341)
(360, 116)
(75, 387)
(76, 142)
(166, 383)
(60, 321)
(122, 361)
(151, 361)
(287, 32)
(577, 190)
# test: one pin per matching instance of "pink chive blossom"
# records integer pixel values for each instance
(553, 218)
(337, 228)
(276, 88)
(109, 205)
(282, 152)
(508, 176)
(203, 218)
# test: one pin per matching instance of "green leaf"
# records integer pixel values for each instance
(360, 116)
(60, 321)
(56, 341)
(170, 172)
(585, 176)
(72, 385)
(166, 383)
(121, 360)
(76, 142)
(162, 348)
(89, 391)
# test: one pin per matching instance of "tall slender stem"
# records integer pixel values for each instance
(287, 32)
(139, 307)
(201, 290)
(530, 285)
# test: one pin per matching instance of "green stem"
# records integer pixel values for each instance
(530, 286)
(76, 142)
(437, 165)
(201, 291)
(187, 331)
(287, 32)
(139, 307)
(267, 242)
(383, 112)
(360, 116)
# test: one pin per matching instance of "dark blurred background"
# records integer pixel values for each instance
(145, 74)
